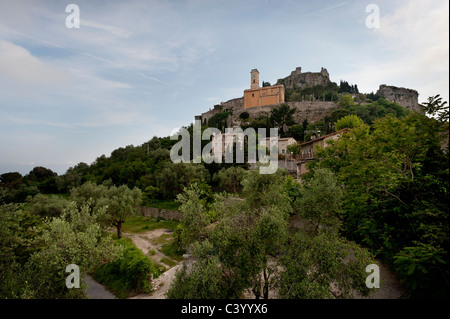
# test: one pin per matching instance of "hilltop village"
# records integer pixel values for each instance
(311, 98)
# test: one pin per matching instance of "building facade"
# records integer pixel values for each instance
(308, 149)
(260, 96)
(283, 143)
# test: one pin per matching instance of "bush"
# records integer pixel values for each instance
(131, 273)
(244, 115)
(47, 206)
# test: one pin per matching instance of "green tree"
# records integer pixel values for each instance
(18, 231)
(11, 180)
(121, 202)
(89, 194)
(282, 116)
(195, 217)
(172, 178)
(74, 238)
(396, 186)
(47, 205)
(203, 279)
(296, 131)
(151, 192)
(322, 267)
(349, 121)
(346, 101)
(436, 108)
(321, 214)
(244, 115)
(230, 178)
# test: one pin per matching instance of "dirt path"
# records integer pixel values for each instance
(146, 243)
(95, 290)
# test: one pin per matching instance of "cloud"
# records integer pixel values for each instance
(121, 33)
(328, 8)
(410, 49)
(19, 66)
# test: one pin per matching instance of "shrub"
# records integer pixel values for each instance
(244, 115)
(131, 273)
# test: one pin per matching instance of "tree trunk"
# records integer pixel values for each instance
(266, 285)
(119, 230)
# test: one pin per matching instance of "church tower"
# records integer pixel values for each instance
(254, 79)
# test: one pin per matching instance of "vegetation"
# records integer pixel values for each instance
(385, 182)
(251, 247)
(138, 224)
(129, 274)
(396, 185)
(34, 259)
(349, 121)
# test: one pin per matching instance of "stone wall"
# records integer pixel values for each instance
(163, 213)
(405, 97)
(235, 105)
(312, 110)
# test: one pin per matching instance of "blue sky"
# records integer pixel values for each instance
(137, 69)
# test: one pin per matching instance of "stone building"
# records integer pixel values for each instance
(260, 96)
(283, 143)
(308, 149)
(224, 142)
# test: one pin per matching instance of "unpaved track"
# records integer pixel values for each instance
(95, 290)
(143, 241)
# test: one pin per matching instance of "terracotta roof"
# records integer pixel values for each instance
(325, 136)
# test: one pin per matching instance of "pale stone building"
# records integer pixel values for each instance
(308, 149)
(283, 143)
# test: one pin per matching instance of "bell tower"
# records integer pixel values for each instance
(254, 77)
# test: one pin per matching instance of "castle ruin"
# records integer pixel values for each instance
(405, 97)
(264, 99)
(307, 79)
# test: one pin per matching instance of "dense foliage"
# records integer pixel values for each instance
(249, 247)
(129, 274)
(396, 203)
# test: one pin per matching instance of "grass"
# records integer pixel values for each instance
(162, 239)
(163, 204)
(139, 224)
(170, 249)
(168, 262)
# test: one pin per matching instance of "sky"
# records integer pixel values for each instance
(138, 69)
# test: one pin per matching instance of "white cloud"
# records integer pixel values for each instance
(19, 66)
(412, 48)
(121, 33)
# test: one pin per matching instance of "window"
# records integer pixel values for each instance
(253, 80)
(253, 95)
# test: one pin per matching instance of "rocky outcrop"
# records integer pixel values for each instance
(307, 79)
(407, 98)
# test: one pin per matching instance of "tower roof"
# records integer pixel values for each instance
(254, 70)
